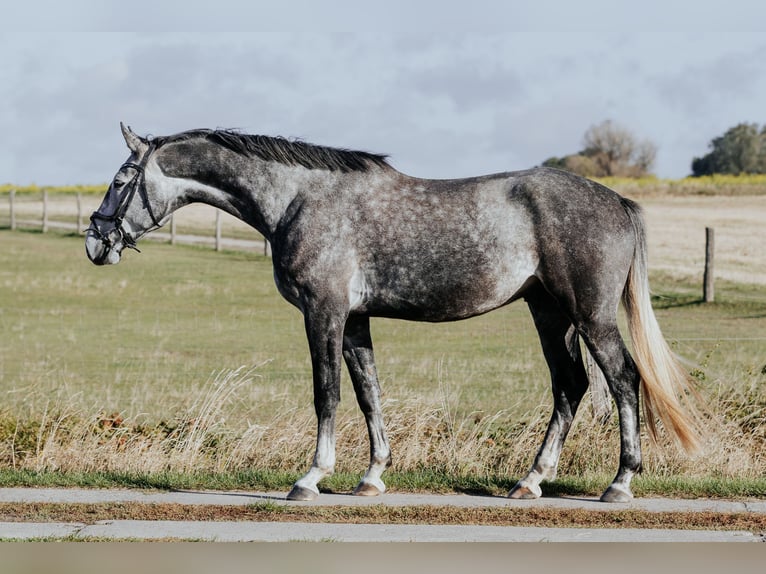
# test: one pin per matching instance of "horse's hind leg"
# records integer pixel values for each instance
(357, 350)
(569, 381)
(607, 347)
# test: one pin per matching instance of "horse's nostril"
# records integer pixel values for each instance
(96, 250)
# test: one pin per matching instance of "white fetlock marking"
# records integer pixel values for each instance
(323, 466)
(531, 482)
(312, 478)
(324, 458)
(623, 484)
(373, 474)
(535, 489)
(530, 486)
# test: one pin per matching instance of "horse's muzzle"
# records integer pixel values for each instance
(99, 252)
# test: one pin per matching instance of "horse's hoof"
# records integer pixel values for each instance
(302, 493)
(367, 489)
(521, 492)
(616, 494)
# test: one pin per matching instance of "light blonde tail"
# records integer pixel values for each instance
(666, 388)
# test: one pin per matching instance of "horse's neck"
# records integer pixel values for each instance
(258, 196)
(275, 187)
(264, 193)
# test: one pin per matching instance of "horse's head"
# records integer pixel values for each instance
(131, 206)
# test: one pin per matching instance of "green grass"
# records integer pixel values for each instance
(467, 402)
(156, 325)
(425, 480)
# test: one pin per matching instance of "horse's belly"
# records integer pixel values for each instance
(442, 298)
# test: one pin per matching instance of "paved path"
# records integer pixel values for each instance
(295, 531)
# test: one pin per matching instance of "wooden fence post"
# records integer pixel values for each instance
(218, 230)
(11, 199)
(172, 229)
(708, 288)
(45, 211)
(79, 213)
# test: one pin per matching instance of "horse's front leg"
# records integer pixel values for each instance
(357, 350)
(325, 335)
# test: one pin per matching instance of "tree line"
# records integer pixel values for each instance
(612, 150)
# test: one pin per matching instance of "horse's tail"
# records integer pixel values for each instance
(666, 389)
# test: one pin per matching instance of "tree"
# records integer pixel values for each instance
(609, 149)
(742, 149)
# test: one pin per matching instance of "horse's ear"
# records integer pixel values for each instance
(136, 143)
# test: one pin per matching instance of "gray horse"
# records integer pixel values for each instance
(352, 238)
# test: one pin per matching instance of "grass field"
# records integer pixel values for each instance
(182, 366)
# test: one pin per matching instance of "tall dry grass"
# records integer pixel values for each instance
(424, 432)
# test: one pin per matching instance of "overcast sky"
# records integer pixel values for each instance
(492, 87)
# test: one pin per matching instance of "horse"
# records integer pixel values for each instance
(353, 238)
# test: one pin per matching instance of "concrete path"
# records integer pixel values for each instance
(297, 531)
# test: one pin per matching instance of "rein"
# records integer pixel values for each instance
(136, 184)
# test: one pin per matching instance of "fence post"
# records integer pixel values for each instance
(172, 229)
(708, 288)
(218, 230)
(79, 213)
(11, 199)
(45, 211)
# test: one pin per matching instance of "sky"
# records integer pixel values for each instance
(446, 92)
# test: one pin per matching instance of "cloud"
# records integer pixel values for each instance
(733, 77)
(65, 112)
(468, 79)
(694, 102)
(444, 105)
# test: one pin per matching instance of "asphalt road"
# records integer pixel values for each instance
(299, 531)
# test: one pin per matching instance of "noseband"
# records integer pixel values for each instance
(136, 184)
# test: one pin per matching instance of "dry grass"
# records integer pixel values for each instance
(381, 514)
(423, 435)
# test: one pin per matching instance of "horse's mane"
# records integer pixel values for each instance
(283, 150)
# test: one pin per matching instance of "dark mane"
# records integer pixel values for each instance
(283, 150)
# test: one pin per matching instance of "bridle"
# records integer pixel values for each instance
(136, 184)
